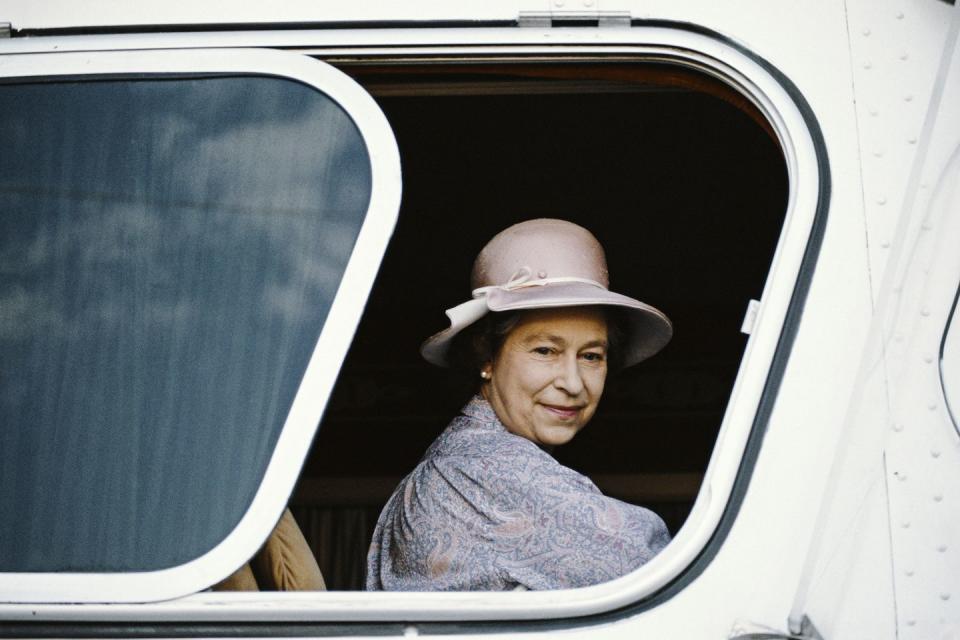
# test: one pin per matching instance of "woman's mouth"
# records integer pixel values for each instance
(562, 412)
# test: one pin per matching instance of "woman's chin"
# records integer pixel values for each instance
(556, 435)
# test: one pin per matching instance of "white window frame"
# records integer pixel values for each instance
(311, 397)
(806, 206)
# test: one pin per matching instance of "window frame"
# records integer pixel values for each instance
(757, 384)
(329, 350)
(951, 336)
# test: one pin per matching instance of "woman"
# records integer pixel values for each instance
(488, 508)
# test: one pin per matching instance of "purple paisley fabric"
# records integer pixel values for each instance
(489, 510)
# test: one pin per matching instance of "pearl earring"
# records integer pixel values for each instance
(485, 375)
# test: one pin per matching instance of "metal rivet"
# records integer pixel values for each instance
(935, 453)
(899, 336)
(897, 427)
(908, 97)
(902, 477)
(872, 111)
(588, 3)
(899, 15)
(938, 498)
(924, 185)
(867, 65)
(885, 244)
(541, 274)
(925, 312)
(932, 406)
(911, 140)
(904, 55)
(909, 573)
(944, 596)
(926, 226)
(928, 358)
(866, 32)
(882, 200)
(905, 525)
(878, 153)
(910, 623)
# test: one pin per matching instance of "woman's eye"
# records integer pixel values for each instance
(543, 351)
(592, 356)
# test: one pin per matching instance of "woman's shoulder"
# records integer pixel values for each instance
(477, 433)
(477, 454)
(482, 456)
(514, 477)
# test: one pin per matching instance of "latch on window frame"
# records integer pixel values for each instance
(547, 19)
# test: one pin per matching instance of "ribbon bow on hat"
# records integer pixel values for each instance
(472, 310)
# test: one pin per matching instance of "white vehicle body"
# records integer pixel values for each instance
(831, 504)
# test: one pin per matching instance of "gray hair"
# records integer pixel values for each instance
(481, 342)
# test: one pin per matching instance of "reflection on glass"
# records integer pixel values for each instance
(169, 250)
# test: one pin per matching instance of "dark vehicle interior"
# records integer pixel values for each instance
(679, 177)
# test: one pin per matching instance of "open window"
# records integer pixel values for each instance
(186, 243)
(683, 182)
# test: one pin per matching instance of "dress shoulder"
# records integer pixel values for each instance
(488, 510)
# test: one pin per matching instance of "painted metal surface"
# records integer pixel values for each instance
(895, 49)
(57, 14)
(923, 453)
(883, 540)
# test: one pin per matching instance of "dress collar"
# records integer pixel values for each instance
(480, 410)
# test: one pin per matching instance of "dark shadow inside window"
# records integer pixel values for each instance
(677, 175)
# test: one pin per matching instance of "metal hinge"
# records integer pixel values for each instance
(546, 19)
(750, 317)
(6, 30)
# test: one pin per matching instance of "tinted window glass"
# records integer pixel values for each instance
(169, 250)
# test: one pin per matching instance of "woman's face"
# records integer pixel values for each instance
(546, 380)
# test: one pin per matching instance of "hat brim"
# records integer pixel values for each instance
(648, 330)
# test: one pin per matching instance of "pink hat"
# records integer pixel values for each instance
(548, 263)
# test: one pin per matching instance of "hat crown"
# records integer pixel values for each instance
(543, 248)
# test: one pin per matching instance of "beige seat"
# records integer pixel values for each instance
(284, 563)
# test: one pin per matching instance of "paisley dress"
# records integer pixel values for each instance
(489, 510)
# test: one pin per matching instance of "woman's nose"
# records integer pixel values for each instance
(569, 378)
